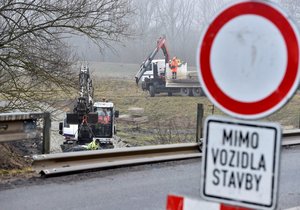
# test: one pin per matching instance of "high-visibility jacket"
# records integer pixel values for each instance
(174, 65)
(93, 145)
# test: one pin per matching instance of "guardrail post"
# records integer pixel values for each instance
(46, 133)
(298, 120)
(199, 122)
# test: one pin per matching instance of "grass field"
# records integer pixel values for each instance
(171, 119)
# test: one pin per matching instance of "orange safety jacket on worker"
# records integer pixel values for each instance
(174, 65)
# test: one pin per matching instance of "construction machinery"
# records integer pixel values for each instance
(155, 75)
(89, 120)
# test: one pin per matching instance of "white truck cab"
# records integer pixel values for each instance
(158, 64)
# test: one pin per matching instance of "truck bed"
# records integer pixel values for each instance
(181, 83)
(185, 78)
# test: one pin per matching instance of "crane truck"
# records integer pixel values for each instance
(89, 120)
(155, 75)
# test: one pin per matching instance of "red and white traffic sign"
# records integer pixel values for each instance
(241, 162)
(175, 202)
(248, 59)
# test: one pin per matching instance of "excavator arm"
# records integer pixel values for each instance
(160, 45)
(82, 113)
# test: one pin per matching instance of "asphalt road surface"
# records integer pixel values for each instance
(134, 188)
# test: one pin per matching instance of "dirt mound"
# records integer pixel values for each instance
(11, 158)
(17, 155)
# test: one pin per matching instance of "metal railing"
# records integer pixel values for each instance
(79, 161)
(23, 126)
(62, 163)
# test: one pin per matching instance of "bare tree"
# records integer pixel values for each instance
(186, 36)
(206, 10)
(145, 11)
(169, 17)
(35, 63)
(143, 34)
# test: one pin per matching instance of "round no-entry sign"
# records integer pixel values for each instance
(248, 59)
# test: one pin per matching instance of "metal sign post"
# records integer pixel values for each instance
(23, 126)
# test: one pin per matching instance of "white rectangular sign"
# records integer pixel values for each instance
(241, 162)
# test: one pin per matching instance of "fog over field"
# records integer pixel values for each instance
(181, 21)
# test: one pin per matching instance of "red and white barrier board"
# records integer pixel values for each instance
(175, 202)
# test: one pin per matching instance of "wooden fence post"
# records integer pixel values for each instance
(46, 133)
(199, 123)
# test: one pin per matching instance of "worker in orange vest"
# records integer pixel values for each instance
(174, 66)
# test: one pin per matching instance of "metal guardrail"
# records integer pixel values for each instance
(79, 161)
(291, 137)
(22, 126)
(61, 163)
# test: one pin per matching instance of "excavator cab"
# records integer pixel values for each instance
(103, 128)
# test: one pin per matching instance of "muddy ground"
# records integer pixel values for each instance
(15, 160)
(18, 154)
